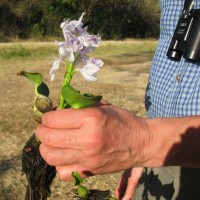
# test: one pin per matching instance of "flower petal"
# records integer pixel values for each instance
(55, 66)
(82, 58)
(81, 17)
(90, 68)
(70, 56)
(88, 77)
(89, 71)
(62, 52)
(98, 62)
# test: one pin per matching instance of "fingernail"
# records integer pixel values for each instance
(124, 198)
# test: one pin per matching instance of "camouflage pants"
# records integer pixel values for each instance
(169, 183)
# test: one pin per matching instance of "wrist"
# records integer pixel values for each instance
(153, 143)
(168, 142)
(151, 147)
(142, 139)
(162, 137)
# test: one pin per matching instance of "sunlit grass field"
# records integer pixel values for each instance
(44, 49)
(122, 81)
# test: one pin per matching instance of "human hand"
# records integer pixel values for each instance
(98, 140)
(127, 183)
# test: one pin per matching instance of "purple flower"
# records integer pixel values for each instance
(76, 47)
(81, 30)
(90, 40)
(90, 69)
(68, 48)
(70, 27)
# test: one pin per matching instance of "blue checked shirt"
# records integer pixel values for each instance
(174, 87)
(173, 90)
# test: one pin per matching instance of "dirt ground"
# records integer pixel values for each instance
(122, 84)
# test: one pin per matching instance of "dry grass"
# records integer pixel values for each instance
(122, 81)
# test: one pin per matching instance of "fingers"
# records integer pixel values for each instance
(122, 184)
(65, 172)
(70, 118)
(60, 157)
(60, 138)
(127, 183)
(132, 183)
(67, 118)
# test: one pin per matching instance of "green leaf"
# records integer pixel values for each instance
(66, 105)
(82, 191)
(77, 178)
(88, 95)
(76, 100)
(43, 89)
(36, 78)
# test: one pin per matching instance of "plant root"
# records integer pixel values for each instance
(39, 174)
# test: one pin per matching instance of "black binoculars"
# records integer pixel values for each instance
(186, 39)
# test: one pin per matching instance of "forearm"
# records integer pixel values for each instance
(173, 141)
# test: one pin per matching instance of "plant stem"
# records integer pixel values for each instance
(67, 80)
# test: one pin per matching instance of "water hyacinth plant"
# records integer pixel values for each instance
(74, 52)
(74, 56)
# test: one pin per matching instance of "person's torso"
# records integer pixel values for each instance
(173, 91)
(174, 87)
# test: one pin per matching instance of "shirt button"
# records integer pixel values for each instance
(178, 77)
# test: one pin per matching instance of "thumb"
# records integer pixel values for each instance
(127, 183)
